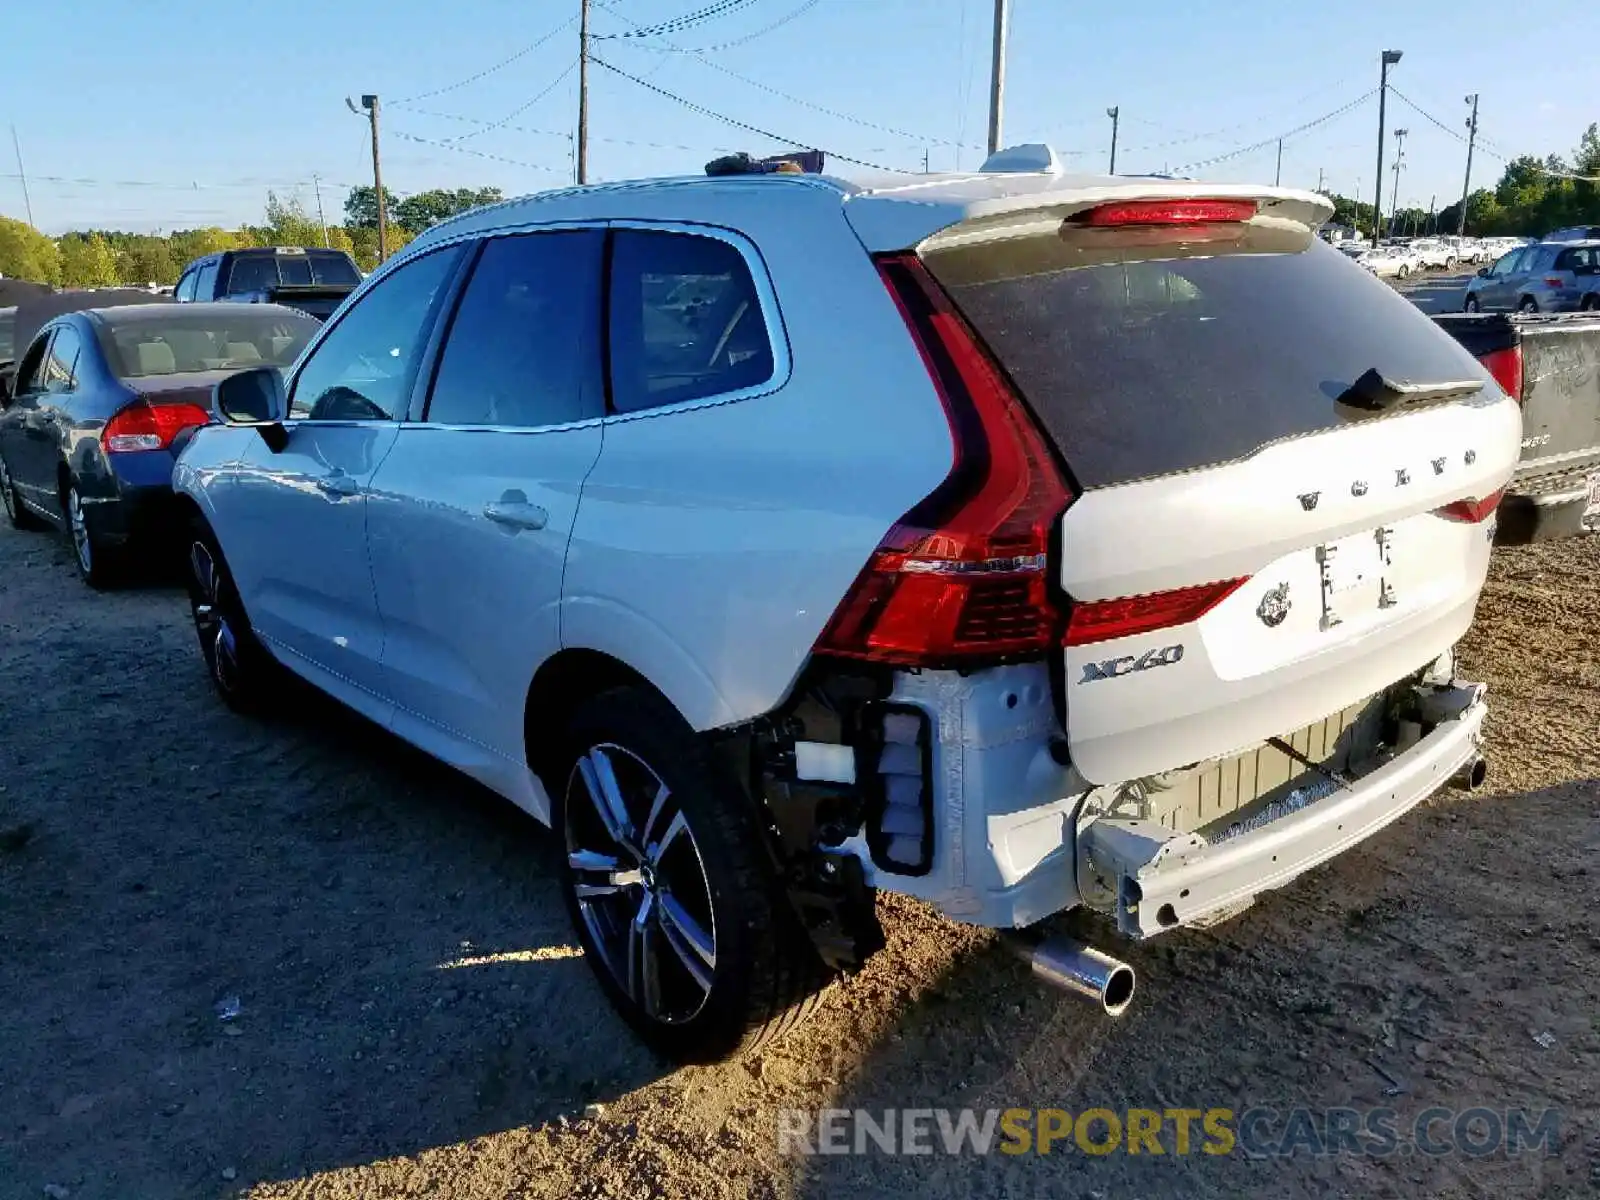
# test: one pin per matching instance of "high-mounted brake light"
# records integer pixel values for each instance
(1103, 620)
(963, 576)
(1472, 512)
(1506, 367)
(1166, 212)
(142, 426)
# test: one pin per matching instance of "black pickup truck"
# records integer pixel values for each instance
(1551, 364)
(309, 278)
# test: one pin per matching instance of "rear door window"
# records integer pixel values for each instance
(685, 320)
(522, 349)
(1143, 356)
(60, 365)
(205, 282)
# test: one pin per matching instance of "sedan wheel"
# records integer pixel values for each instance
(1471, 305)
(1528, 305)
(95, 562)
(19, 516)
(1591, 303)
(671, 885)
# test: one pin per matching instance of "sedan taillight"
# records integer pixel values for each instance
(145, 426)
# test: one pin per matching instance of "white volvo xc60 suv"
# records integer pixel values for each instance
(1012, 540)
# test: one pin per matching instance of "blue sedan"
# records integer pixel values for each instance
(102, 403)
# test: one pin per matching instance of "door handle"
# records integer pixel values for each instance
(516, 514)
(338, 484)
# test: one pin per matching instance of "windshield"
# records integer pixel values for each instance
(1142, 355)
(179, 340)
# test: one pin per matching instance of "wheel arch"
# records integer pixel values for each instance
(564, 681)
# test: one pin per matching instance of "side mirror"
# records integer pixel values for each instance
(255, 398)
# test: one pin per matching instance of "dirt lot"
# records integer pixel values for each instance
(415, 1022)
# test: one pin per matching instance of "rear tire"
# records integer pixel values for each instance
(19, 516)
(243, 672)
(670, 887)
(1591, 303)
(1528, 305)
(1471, 305)
(99, 565)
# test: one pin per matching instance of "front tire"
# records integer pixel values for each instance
(1471, 305)
(1528, 305)
(1591, 303)
(19, 516)
(670, 887)
(243, 673)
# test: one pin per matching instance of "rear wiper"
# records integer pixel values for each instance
(1377, 393)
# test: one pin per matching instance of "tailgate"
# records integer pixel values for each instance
(1561, 392)
(1254, 545)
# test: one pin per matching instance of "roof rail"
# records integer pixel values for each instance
(1029, 158)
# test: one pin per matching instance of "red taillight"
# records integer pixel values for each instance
(1506, 367)
(1166, 212)
(1554, 281)
(963, 575)
(1472, 512)
(143, 426)
(1102, 620)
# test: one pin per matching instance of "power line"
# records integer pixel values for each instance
(70, 181)
(487, 71)
(1487, 149)
(566, 135)
(491, 126)
(734, 121)
(792, 99)
(679, 23)
(515, 162)
(1265, 142)
(805, 7)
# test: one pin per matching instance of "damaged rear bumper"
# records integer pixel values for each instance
(1163, 879)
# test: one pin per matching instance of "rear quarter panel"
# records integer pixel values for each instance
(715, 540)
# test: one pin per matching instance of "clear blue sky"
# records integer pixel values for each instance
(179, 113)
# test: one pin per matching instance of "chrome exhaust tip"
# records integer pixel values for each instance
(1470, 775)
(1080, 970)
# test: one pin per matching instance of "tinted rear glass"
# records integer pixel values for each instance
(257, 272)
(1142, 356)
(179, 339)
(8, 325)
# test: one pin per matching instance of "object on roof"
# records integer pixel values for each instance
(800, 162)
(1028, 158)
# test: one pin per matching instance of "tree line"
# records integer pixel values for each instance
(1533, 197)
(104, 258)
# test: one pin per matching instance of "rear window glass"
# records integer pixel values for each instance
(257, 272)
(1142, 357)
(177, 340)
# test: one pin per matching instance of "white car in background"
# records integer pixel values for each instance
(1434, 253)
(1390, 262)
(1015, 541)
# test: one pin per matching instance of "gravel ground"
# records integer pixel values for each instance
(415, 1019)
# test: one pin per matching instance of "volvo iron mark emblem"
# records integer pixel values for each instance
(1274, 606)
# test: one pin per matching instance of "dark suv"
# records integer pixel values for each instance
(312, 279)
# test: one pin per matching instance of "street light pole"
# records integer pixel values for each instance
(1472, 136)
(1114, 114)
(997, 74)
(1388, 59)
(1399, 165)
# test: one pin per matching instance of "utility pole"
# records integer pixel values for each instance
(1319, 179)
(583, 91)
(1389, 58)
(1433, 222)
(924, 160)
(1399, 165)
(1472, 136)
(316, 184)
(1278, 178)
(369, 105)
(997, 73)
(1115, 114)
(22, 174)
